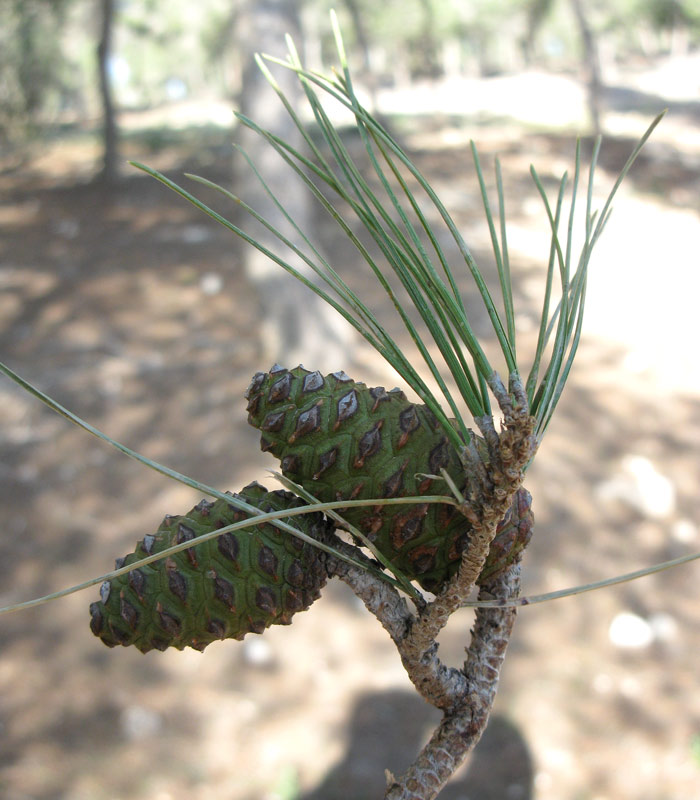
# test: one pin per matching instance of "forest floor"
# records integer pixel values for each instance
(131, 309)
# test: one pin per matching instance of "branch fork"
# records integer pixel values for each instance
(464, 695)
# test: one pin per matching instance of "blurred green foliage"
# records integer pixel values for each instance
(695, 749)
(165, 51)
(33, 69)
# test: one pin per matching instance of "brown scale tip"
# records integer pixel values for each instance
(168, 622)
(177, 584)
(394, 485)
(280, 389)
(255, 384)
(408, 423)
(224, 591)
(217, 628)
(228, 546)
(137, 581)
(408, 525)
(268, 562)
(369, 444)
(347, 408)
(312, 382)
(325, 461)
(265, 600)
(96, 619)
(273, 422)
(422, 558)
(379, 395)
(294, 600)
(128, 613)
(307, 422)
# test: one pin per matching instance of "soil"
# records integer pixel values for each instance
(132, 310)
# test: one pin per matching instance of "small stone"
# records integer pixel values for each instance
(257, 652)
(630, 631)
(685, 531)
(138, 722)
(639, 484)
(664, 627)
(211, 284)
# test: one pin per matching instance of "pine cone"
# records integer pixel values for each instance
(239, 582)
(513, 535)
(341, 440)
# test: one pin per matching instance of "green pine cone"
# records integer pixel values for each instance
(513, 535)
(239, 582)
(341, 440)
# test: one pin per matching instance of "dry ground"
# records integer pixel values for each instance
(131, 309)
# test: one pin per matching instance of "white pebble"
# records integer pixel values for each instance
(684, 531)
(630, 631)
(664, 627)
(195, 234)
(642, 486)
(211, 283)
(138, 722)
(257, 652)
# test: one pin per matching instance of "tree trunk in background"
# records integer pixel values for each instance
(426, 60)
(592, 64)
(360, 32)
(108, 173)
(297, 326)
(536, 12)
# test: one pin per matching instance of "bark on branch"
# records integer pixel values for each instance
(438, 684)
(462, 728)
(379, 597)
(489, 500)
(464, 695)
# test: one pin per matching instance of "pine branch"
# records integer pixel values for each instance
(465, 696)
(380, 598)
(511, 451)
(461, 729)
(440, 685)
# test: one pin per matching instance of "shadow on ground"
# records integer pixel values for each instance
(386, 728)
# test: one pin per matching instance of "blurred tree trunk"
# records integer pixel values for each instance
(536, 12)
(108, 173)
(591, 62)
(297, 326)
(360, 32)
(424, 58)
